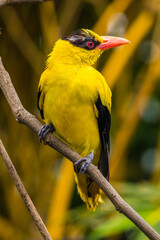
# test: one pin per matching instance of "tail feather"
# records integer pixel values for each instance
(89, 191)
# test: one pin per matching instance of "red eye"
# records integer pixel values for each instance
(90, 44)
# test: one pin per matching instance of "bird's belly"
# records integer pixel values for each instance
(75, 123)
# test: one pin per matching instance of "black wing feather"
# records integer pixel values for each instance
(104, 124)
(38, 98)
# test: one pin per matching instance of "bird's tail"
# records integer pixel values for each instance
(89, 191)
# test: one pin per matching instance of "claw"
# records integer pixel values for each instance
(87, 160)
(44, 130)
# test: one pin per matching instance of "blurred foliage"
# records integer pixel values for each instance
(133, 72)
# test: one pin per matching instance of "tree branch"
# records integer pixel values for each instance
(23, 116)
(10, 2)
(26, 198)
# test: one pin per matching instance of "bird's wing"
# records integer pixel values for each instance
(104, 123)
(40, 97)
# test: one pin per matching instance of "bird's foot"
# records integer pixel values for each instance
(44, 130)
(87, 160)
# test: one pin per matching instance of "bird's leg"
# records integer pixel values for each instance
(87, 160)
(44, 130)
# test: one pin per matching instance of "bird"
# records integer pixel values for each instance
(74, 101)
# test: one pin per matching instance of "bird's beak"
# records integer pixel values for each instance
(110, 42)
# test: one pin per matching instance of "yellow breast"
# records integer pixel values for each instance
(69, 106)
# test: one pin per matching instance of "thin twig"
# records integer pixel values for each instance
(10, 2)
(23, 116)
(26, 198)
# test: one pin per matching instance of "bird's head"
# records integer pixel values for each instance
(85, 46)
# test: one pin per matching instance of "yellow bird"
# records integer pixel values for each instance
(75, 102)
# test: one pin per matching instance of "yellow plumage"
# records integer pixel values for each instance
(68, 90)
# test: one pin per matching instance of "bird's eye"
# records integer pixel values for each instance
(90, 44)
